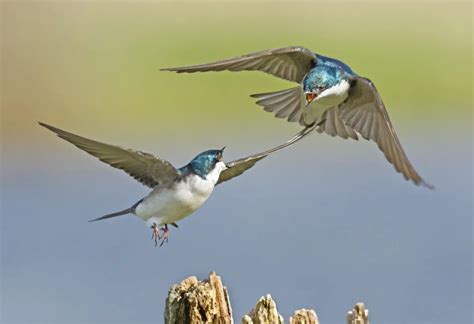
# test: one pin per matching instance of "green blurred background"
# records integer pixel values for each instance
(94, 66)
(365, 234)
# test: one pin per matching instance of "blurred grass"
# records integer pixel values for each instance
(95, 65)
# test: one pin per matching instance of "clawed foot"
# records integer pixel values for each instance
(155, 235)
(166, 234)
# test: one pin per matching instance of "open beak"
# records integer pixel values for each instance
(310, 96)
(220, 157)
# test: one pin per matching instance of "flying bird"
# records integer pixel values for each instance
(329, 98)
(176, 193)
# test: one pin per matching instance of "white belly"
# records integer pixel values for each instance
(165, 206)
(327, 99)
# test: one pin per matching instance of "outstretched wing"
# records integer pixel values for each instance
(237, 167)
(144, 167)
(289, 63)
(364, 112)
(332, 124)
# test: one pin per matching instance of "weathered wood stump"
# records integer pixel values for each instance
(264, 312)
(358, 315)
(207, 301)
(304, 316)
(194, 302)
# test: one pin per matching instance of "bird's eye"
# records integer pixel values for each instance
(320, 87)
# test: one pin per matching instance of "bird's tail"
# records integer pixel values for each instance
(284, 103)
(120, 213)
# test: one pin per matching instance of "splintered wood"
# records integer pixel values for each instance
(304, 316)
(193, 301)
(207, 301)
(358, 315)
(264, 312)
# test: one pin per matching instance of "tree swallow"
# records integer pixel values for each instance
(176, 193)
(330, 98)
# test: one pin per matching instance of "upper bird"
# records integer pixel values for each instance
(330, 98)
(176, 192)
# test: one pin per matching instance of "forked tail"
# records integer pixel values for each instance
(120, 213)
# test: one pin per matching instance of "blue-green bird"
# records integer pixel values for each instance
(176, 192)
(330, 98)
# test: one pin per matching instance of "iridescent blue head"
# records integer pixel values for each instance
(326, 74)
(205, 162)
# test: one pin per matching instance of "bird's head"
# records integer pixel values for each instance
(320, 79)
(208, 161)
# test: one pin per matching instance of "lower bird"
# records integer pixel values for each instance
(176, 193)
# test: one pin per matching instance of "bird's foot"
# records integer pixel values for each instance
(166, 234)
(155, 234)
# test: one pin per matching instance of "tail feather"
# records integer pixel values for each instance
(284, 103)
(120, 213)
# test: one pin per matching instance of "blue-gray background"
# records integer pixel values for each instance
(323, 224)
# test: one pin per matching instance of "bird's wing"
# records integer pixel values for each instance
(237, 167)
(144, 167)
(332, 124)
(364, 112)
(289, 63)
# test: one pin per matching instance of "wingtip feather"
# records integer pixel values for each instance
(183, 69)
(43, 124)
(51, 128)
(425, 184)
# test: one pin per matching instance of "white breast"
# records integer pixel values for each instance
(339, 90)
(216, 172)
(328, 98)
(164, 206)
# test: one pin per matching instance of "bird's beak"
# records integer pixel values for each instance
(222, 153)
(220, 156)
(310, 96)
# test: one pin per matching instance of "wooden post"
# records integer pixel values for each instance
(207, 301)
(304, 316)
(265, 312)
(358, 315)
(196, 302)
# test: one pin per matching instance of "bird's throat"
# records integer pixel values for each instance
(327, 99)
